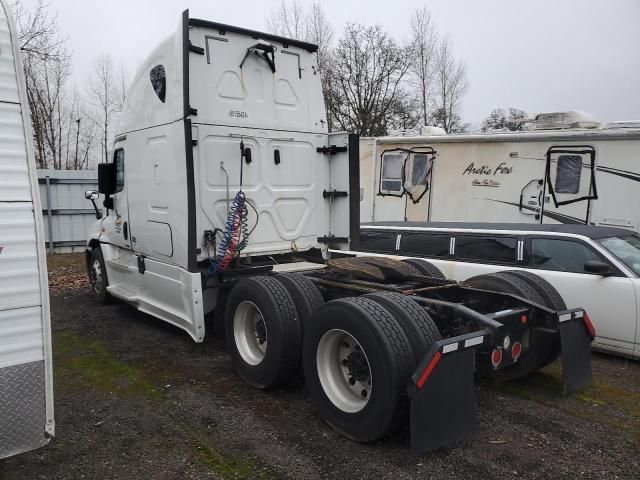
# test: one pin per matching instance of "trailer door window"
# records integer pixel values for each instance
(561, 255)
(159, 81)
(420, 170)
(568, 174)
(392, 165)
(487, 249)
(118, 159)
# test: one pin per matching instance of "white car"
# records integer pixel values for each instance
(597, 268)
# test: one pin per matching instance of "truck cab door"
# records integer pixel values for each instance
(570, 184)
(116, 228)
(530, 204)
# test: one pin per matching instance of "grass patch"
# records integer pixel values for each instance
(79, 362)
(231, 467)
(600, 402)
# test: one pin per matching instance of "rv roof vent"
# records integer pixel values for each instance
(431, 131)
(623, 124)
(565, 120)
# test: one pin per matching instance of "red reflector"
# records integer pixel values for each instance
(523, 319)
(496, 357)
(589, 325)
(516, 350)
(427, 371)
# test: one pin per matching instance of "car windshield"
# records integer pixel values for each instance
(626, 248)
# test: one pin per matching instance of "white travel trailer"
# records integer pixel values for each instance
(224, 181)
(26, 391)
(566, 170)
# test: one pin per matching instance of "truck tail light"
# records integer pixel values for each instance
(589, 325)
(496, 358)
(516, 350)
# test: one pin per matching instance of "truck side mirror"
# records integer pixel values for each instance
(107, 178)
(93, 196)
(597, 267)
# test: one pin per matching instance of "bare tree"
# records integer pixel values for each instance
(366, 79)
(288, 20)
(423, 45)
(451, 85)
(47, 68)
(291, 20)
(103, 95)
(514, 121)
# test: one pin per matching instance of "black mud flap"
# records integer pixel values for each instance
(576, 335)
(443, 401)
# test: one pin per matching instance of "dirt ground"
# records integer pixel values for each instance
(137, 399)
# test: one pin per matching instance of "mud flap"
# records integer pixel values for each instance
(576, 335)
(443, 402)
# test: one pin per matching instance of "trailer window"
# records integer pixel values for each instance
(420, 170)
(568, 174)
(159, 81)
(425, 244)
(561, 255)
(392, 165)
(486, 249)
(118, 159)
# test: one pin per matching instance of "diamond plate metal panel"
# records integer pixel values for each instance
(22, 408)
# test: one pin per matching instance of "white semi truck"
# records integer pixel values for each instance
(223, 197)
(26, 379)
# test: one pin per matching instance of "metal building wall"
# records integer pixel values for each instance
(67, 214)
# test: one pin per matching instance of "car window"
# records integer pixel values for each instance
(561, 255)
(626, 249)
(425, 244)
(378, 241)
(498, 249)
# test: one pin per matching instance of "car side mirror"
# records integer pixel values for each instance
(597, 267)
(107, 178)
(93, 196)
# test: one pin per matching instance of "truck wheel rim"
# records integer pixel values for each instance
(96, 270)
(250, 332)
(344, 371)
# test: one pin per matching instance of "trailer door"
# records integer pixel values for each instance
(569, 184)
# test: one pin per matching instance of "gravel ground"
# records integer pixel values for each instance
(136, 399)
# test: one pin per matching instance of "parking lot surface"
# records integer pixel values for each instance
(136, 399)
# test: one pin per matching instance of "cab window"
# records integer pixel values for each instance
(118, 159)
(158, 79)
(561, 255)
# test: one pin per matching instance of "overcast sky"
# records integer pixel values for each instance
(538, 55)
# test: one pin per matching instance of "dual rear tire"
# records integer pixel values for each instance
(542, 349)
(357, 353)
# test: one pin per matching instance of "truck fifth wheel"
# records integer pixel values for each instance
(223, 198)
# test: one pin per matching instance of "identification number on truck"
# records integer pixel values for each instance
(238, 114)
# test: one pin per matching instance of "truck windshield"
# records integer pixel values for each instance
(626, 249)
